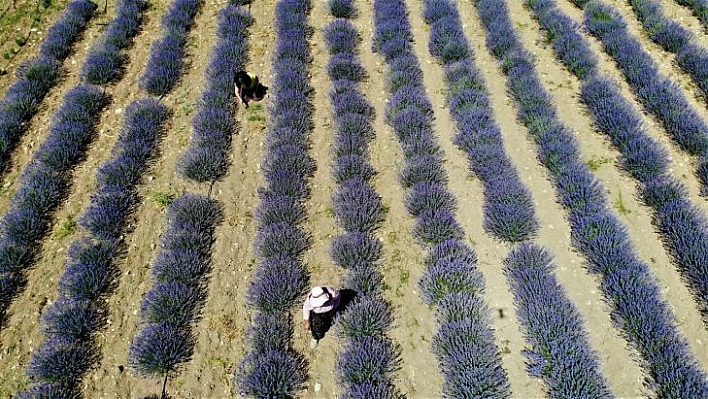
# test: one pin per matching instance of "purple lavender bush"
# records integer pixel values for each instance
(553, 326)
(62, 35)
(341, 8)
(279, 373)
(279, 281)
(213, 126)
(90, 272)
(74, 319)
(62, 360)
(353, 248)
(369, 359)
(165, 62)
(357, 206)
(105, 63)
(160, 349)
(341, 36)
(51, 390)
(172, 306)
(34, 79)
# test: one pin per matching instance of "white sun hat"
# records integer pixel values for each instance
(318, 297)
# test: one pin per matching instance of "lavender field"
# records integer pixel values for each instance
(515, 192)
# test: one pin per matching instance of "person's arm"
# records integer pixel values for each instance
(306, 308)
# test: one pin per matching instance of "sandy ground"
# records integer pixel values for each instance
(220, 340)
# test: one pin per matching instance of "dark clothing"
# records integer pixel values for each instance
(246, 80)
(250, 88)
(320, 323)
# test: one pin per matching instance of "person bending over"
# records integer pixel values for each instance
(249, 88)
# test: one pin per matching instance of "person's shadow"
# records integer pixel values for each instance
(346, 297)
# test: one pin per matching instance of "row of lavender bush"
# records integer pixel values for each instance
(658, 94)
(37, 75)
(646, 160)
(212, 127)
(508, 205)
(559, 350)
(105, 62)
(173, 304)
(673, 37)
(631, 291)
(271, 367)
(166, 61)
(468, 358)
(71, 322)
(368, 357)
(43, 184)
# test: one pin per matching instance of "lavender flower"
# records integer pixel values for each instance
(73, 318)
(62, 360)
(369, 359)
(159, 349)
(279, 281)
(368, 317)
(277, 373)
(353, 248)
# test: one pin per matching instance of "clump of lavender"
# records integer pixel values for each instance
(271, 368)
(166, 54)
(105, 62)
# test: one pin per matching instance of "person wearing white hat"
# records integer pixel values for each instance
(318, 311)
